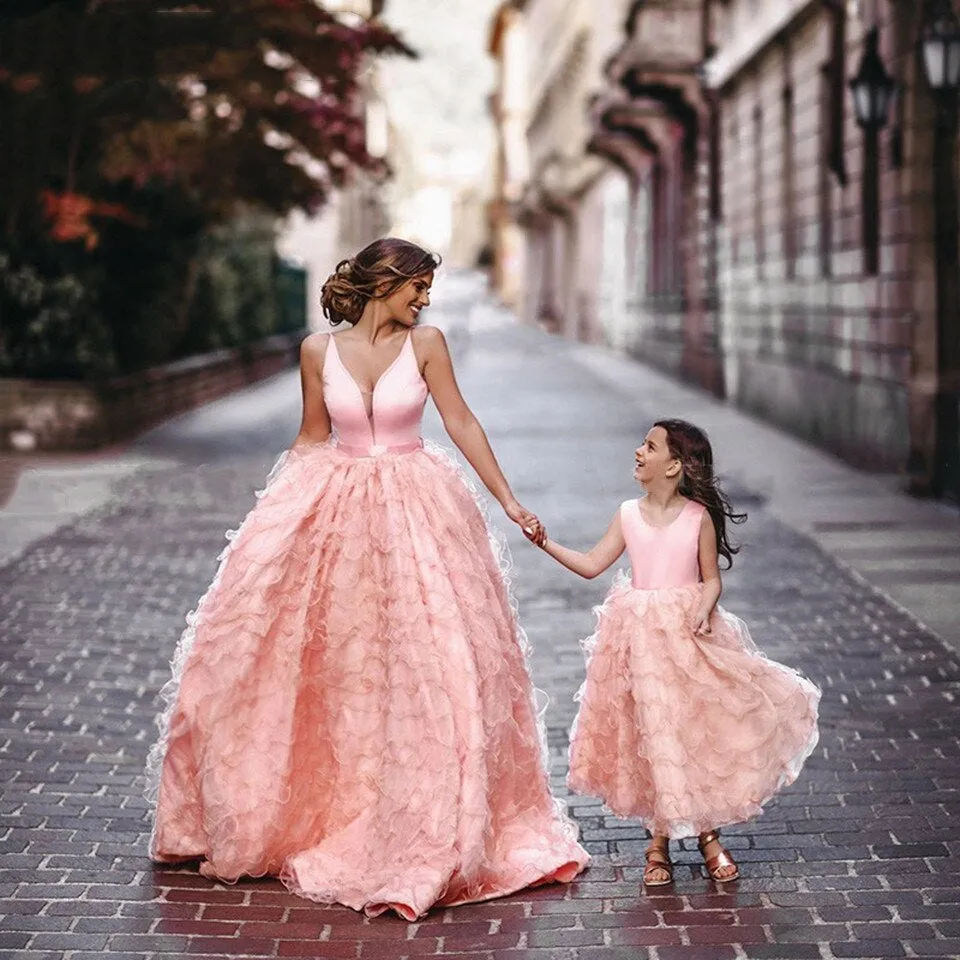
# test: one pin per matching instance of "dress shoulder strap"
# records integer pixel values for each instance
(328, 353)
(408, 348)
(629, 514)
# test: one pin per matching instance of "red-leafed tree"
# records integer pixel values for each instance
(127, 123)
(238, 101)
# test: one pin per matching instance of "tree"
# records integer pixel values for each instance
(130, 128)
(250, 102)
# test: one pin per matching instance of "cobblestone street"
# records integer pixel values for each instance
(854, 860)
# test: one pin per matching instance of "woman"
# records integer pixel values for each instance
(350, 708)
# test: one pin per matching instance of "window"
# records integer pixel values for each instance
(788, 186)
(716, 162)
(736, 172)
(759, 246)
(657, 228)
(825, 184)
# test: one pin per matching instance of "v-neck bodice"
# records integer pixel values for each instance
(396, 404)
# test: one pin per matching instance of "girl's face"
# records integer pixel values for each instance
(406, 303)
(654, 460)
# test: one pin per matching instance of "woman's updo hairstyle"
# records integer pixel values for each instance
(377, 271)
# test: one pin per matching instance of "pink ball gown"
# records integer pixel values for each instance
(682, 732)
(350, 708)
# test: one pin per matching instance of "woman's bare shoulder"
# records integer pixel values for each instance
(428, 338)
(314, 345)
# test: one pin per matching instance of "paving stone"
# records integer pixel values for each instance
(334, 951)
(784, 951)
(933, 948)
(696, 953)
(869, 948)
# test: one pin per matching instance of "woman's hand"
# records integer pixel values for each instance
(537, 534)
(702, 621)
(528, 522)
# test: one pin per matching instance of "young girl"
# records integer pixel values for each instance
(683, 724)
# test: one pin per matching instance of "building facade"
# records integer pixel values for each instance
(444, 136)
(771, 249)
(557, 206)
(511, 162)
(831, 274)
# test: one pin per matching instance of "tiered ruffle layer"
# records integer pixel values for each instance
(350, 708)
(685, 733)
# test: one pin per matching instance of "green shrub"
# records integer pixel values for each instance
(143, 298)
(51, 328)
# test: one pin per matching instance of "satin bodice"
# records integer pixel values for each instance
(667, 556)
(397, 403)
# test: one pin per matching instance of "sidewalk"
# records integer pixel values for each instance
(907, 548)
(41, 493)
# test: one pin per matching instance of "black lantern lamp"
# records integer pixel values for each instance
(873, 88)
(941, 48)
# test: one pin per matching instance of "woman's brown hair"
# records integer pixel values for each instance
(690, 445)
(377, 271)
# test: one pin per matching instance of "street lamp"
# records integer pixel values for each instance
(940, 47)
(873, 89)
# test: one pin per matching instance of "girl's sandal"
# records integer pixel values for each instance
(722, 859)
(658, 859)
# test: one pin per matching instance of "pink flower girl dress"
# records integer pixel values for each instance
(682, 732)
(350, 708)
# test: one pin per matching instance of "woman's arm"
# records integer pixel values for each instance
(315, 425)
(462, 426)
(709, 573)
(592, 563)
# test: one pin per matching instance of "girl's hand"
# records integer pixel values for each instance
(702, 628)
(536, 535)
(528, 522)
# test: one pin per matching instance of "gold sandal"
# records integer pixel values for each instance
(722, 859)
(658, 858)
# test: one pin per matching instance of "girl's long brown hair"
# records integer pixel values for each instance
(689, 444)
(378, 270)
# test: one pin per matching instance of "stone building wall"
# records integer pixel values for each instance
(809, 340)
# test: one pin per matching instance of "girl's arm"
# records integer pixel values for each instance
(315, 425)
(592, 563)
(709, 573)
(464, 429)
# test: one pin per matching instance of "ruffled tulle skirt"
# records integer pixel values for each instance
(682, 732)
(350, 708)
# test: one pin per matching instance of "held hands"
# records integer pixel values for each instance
(536, 534)
(528, 522)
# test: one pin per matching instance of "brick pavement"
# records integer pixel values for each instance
(853, 861)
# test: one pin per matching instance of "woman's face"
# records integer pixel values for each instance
(406, 303)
